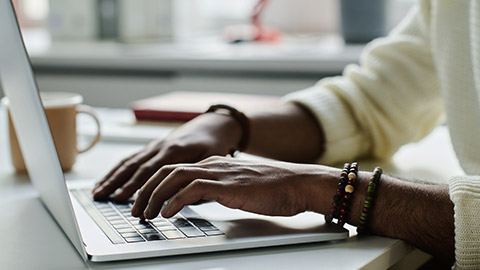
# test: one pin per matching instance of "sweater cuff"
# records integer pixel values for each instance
(465, 194)
(343, 141)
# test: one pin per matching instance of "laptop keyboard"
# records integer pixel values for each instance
(120, 227)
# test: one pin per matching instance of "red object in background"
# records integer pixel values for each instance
(263, 33)
(255, 31)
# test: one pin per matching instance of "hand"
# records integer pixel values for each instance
(269, 188)
(207, 135)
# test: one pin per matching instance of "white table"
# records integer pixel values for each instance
(32, 240)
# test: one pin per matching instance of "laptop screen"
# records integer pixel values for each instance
(19, 85)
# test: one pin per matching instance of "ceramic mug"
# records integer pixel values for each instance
(61, 110)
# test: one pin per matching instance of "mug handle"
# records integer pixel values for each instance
(89, 111)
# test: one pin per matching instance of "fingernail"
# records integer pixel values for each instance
(165, 212)
(134, 212)
(146, 214)
(98, 189)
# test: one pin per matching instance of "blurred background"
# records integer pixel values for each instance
(116, 51)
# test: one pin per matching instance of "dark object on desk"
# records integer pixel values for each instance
(184, 106)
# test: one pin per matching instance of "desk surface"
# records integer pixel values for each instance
(32, 240)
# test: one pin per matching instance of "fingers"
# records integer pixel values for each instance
(149, 168)
(112, 171)
(163, 185)
(197, 190)
(121, 174)
(141, 175)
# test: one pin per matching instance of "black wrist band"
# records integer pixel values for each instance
(240, 118)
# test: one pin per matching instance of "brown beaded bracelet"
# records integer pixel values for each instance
(338, 194)
(369, 200)
(347, 197)
(240, 117)
(343, 195)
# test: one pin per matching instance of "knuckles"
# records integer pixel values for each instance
(180, 171)
(130, 164)
(198, 184)
(146, 167)
(142, 193)
(213, 159)
(175, 148)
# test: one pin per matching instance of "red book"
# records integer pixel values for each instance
(184, 106)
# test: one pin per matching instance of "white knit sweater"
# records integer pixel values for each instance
(427, 68)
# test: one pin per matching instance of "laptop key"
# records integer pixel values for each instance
(122, 206)
(207, 228)
(199, 222)
(103, 207)
(213, 233)
(153, 236)
(173, 234)
(121, 226)
(126, 230)
(127, 235)
(112, 218)
(118, 221)
(167, 227)
(159, 220)
(109, 214)
(141, 226)
(147, 230)
(181, 222)
(134, 239)
(192, 232)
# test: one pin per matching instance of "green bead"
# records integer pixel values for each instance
(336, 198)
(369, 199)
(367, 204)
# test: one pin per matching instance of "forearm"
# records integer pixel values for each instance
(417, 213)
(287, 132)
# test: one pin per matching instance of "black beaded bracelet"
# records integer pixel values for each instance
(347, 197)
(337, 198)
(369, 200)
(343, 194)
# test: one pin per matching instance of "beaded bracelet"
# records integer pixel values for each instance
(369, 199)
(338, 194)
(343, 194)
(347, 197)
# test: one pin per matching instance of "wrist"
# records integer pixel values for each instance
(241, 120)
(226, 131)
(321, 188)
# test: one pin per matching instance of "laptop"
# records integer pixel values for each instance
(105, 231)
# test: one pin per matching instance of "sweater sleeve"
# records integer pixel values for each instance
(465, 195)
(392, 98)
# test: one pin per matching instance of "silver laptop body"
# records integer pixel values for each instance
(81, 218)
